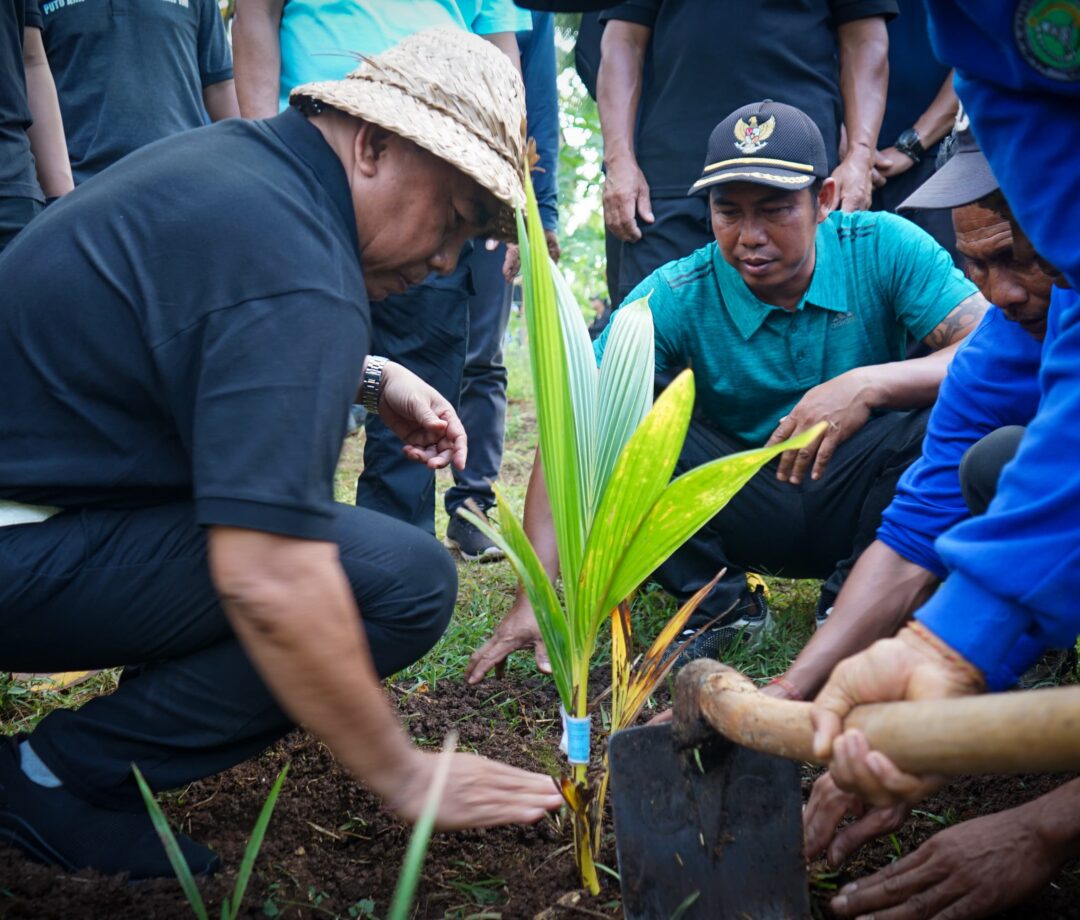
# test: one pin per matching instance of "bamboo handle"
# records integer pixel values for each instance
(1037, 731)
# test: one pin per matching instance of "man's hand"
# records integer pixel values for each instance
(423, 419)
(914, 665)
(552, 240)
(974, 869)
(888, 163)
(479, 793)
(828, 805)
(853, 180)
(626, 197)
(844, 403)
(517, 630)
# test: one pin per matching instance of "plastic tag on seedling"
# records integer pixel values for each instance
(575, 737)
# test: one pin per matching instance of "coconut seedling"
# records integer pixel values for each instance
(608, 460)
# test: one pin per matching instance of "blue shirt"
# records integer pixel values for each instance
(1015, 571)
(877, 278)
(992, 382)
(321, 38)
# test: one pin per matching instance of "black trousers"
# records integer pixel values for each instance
(981, 466)
(814, 530)
(102, 588)
(16, 213)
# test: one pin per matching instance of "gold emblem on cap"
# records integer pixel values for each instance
(751, 136)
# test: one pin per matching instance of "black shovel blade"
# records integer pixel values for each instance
(706, 835)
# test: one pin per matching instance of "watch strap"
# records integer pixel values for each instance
(371, 383)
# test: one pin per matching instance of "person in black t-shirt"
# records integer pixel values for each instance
(671, 69)
(31, 133)
(178, 352)
(127, 77)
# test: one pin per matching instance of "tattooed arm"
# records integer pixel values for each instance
(960, 321)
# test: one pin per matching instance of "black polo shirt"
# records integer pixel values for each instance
(707, 58)
(18, 178)
(189, 325)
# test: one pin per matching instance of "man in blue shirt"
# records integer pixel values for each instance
(794, 314)
(991, 391)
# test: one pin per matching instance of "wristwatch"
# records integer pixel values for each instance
(910, 144)
(371, 384)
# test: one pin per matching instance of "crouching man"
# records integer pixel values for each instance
(795, 314)
(181, 341)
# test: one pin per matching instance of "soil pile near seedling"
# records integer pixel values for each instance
(332, 851)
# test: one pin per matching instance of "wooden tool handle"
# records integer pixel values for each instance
(1036, 731)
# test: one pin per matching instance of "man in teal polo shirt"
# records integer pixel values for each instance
(795, 314)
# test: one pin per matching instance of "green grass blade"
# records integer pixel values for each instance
(686, 505)
(626, 386)
(640, 476)
(550, 616)
(172, 848)
(421, 835)
(251, 851)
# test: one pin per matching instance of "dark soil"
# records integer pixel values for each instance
(332, 851)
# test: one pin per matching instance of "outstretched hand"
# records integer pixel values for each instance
(479, 793)
(975, 869)
(517, 630)
(841, 402)
(424, 419)
(828, 805)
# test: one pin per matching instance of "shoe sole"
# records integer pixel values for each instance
(491, 554)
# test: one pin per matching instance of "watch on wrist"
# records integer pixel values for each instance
(371, 383)
(910, 144)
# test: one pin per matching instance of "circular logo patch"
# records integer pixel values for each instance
(1048, 36)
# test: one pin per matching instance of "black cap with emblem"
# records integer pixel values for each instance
(767, 143)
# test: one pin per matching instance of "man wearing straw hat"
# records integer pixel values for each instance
(180, 347)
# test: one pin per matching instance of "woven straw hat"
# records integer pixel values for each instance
(450, 92)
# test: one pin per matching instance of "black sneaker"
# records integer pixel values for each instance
(747, 623)
(57, 828)
(470, 542)
(824, 608)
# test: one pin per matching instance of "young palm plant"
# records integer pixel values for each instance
(608, 460)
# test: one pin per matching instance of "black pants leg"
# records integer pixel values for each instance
(103, 588)
(981, 467)
(16, 213)
(427, 330)
(482, 407)
(814, 530)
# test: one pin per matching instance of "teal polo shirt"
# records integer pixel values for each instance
(877, 277)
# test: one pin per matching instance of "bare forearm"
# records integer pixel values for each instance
(538, 522)
(220, 100)
(1059, 818)
(506, 42)
(302, 632)
(864, 79)
(46, 135)
(618, 86)
(911, 384)
(257, 56)
(937, 120)
(881, 593)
